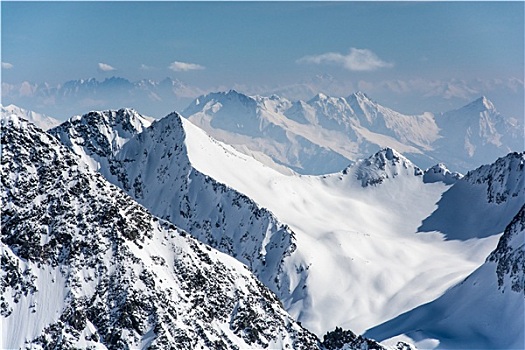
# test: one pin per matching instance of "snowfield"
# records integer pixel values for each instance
(367, 258)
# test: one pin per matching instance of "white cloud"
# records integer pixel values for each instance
(6, 65)
(183, 66)
(145, 67)
(104, 67)
(356, 60)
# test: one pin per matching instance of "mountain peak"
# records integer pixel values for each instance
(42, 121)
(483, 103)
(387, 163)
(360, 96)
(105, 132)
(487, 103)
(480, 105)
(319, 97)
(440, 173)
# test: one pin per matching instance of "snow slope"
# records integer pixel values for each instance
(330, 210)
(500, 192)
(84, 266)
(485, 311)
(363, 242)
(42, 121)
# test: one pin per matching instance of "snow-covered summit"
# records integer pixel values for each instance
(480, 105)
(42, 121)
(477, 134)
(440, 172)
(385, 164)
(98, 135)
(112, 128)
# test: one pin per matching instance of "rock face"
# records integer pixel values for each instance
(510, 256)
(151, 164)
(504, 179)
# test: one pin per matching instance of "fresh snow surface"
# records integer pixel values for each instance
(367, 262)
(485, 311)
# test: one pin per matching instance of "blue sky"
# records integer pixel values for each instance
(226, 44)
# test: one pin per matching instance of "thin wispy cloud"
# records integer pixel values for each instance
(6, 65)
(184, 66)
(104, 67)
(145, 67)
(361, 60)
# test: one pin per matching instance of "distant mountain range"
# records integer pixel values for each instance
(325, 134)
(321, 135)
(159, 96)
(154, 98)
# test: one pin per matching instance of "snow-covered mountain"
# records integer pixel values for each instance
(385, 164)
(42, 121)
(325, 134)
(151, 165)
(153, 97)
(97, 136)
(499, 192)
(367, 243)
(357, 231)
(258, 127)
(485, 311)
(477, 134)
(85, 266)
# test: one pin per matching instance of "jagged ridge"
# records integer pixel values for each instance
(119, 277)
(153, 168)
